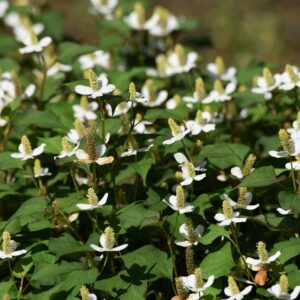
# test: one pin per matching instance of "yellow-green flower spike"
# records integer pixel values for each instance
(233, 286)
(92, 197)
(191, 235)
(150, 85)
(262, 251)
(140, 12)
(189, 260)
(79, 127)
(284, 138)
(200, 88)
(180, 197)
(93, 81)
(227, 209)
(17, 83)
(250, 160)
(284, 284)
(162, 64)
(291, 73)
(66, 145)
(26, 144)
(84, 293)
(180, 287)
(298, 120)
(198, 278)
(163, 16)
(175, 129)
(190, 169)
(199, 117)
(267, 74)
(110, 237)
(180, 54)
(132, 143)
(220, 65)
(91, 143)
(177, 98)
(84, 103)
(132, 91)
(242, 200)
(37, 168)
(6, 243)
(218, 86)
(33, 37)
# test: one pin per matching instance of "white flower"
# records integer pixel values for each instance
(294, 164)
(290, 78)
(162, 22)
(163, 68)
(85, 111)
(150, 93)
(196, 284)
(280, 290)
(100, 87)
(99, 159)
(25, 150)
(58, 67)
(233, 291)
(266, 84)
(218, 70)
(228, 216)
(264, 259)
(183, 229)
(201, 123)
(94, 202)
(173, 102)
(97, 58)
(3, 7)
(178, 203)
(188, 169)
(219, 94)
(81, 180)
(237, 172)
(105, 7)
(140, 125)
(137, 18)
(180, 62)
(32, 44)
(9, 246)
(38, 171)
(247, 198)
(178, 132)
(133, 151)
(122, 108)
(68, 150)
(107, 241)
(73, 136)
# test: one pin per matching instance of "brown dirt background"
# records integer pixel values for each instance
(239, 30)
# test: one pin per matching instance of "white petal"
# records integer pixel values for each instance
(38, 150)
(237, 172)
(183, 243)
(180, 157)
(247, 290)
(105, 160)
(295, 292)
(220, 217)
(120, 248)
(44, 42)
(253, 261)
(103, 200)
(83, 206)
(81, 154)
(19, 252)
(278, 154)
(97, 248)
(239, 220)
(275, 256)
(83, 90)
(199, 177)
(187, 181)
(283, 211)
(209, 281)
(275, 290)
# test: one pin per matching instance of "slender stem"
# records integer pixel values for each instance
(186, 151)
(10, 269)
(293, 175)
(102, 118)
(95, 186)
(104, 263)
(74, 181)
(44, 78)
(94, 222)
(20, 289)
(236, 244)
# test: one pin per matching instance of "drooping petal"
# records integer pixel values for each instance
(40, 149)
(180, 158)
(97, 248)
(120, 248)
(105, 160)
(81, 154)
(83, 90)
(237, 172)
(275, 256)
(103, 200)
(19, 252)
(83, 206)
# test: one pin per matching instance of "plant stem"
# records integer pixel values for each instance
(74, 181)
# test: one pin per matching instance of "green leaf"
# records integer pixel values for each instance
(53, 144)
(129, 284)
(8, 287)
(294, 278)
(154, 262)
(43, 119)
(22, 267)
(288, 249)
(177, 114)
(7, 162)
(289, 200)
(214, 232)
(202, 203)
(224, 155)
(66, 244)
(218, 263)
(136, 215)
(54, 24)
(8, 64)
(68, 51)
(262, 176)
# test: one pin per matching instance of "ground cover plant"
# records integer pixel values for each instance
(131, 170)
